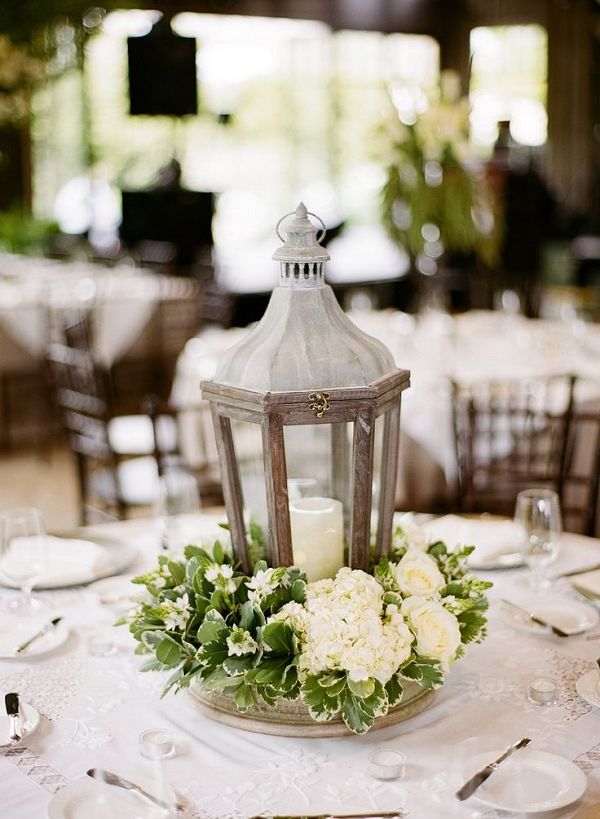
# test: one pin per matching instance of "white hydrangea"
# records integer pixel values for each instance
(221, 577)
(347, 629)
(261, 585)
(292, 614)
(240, 642)
(176, 613)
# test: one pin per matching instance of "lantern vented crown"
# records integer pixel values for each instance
(301, 255)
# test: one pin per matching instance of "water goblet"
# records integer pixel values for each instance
(537, 511)
(177, 509)
(23, 552)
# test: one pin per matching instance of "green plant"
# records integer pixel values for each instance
(20, 232)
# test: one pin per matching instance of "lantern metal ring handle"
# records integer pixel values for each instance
(323, 230)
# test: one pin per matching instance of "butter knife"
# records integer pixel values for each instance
(44, 630)
(534, 619)
(11, 702)
(477, 780)
(114, 779)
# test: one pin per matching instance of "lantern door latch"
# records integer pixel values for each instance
(319, 403)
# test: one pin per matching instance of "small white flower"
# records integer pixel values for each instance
(177, 613)
(261, 585)
(160, 582)
(412, 533)
(221, 577)
(240, 642)
(418, 574)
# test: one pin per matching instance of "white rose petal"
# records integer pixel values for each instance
(436, 629)
(418, 574)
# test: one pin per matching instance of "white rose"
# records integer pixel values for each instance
(436, 629)
(418, 574)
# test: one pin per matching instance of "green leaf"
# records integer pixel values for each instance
(270, 671)
(279, 637)
(152, 665)
(218, 680)
(235, 666)
(358, 718)
(196, 551)
(244, 698)
(394, 690)
(247, 616)
(437, 549)
(317, 698)
(177, 571)
(298, 591)
(427, 672)
(151, 639)
(213, 654)
(472, 626)
(361, 688)
(210, 630)
(218, 552)
(168, 652)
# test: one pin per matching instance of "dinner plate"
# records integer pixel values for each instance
(116, 556)
(87, 799)
(588, 687)
(569, 615)
(14, 632)
(30, 719)
(531, 781)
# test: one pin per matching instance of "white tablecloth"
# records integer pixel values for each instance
(34, 292)
(95, 708)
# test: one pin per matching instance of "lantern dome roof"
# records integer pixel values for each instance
(304, 341)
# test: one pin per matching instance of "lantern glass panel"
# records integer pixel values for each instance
(247, 439)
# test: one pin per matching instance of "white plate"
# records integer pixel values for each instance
(118, 556)
(30, 719)
(588, 688)
(14, 632)
(87, 799)
(529, 782)
(569, 615)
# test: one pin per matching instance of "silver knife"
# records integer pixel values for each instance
(11, 702)
(534, 619)
(471, 785)
(44, 630)
(114, 779)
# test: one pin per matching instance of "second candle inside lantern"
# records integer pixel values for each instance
(317, 536)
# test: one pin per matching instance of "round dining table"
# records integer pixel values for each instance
(94, 708)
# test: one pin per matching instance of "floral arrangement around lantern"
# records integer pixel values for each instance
(343, 646)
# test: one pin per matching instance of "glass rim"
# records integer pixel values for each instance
(538, 493)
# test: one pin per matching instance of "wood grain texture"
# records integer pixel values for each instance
(362, 488)
(232, 489)
(389, 472)
(278, 505)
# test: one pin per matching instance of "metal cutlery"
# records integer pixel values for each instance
(477, 780)
(110, 778)
(44, 630)
(579, 571)
(11, 703)
(376, 815)
(541, 622)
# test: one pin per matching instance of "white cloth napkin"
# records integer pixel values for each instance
(70, 561)
(491, 538)
(588, 582)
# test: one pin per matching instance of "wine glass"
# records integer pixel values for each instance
(177, 509)
(538, 513)
(23, 551)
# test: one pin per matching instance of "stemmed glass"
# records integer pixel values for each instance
(177, 508)
(538, 513)
(23, 552)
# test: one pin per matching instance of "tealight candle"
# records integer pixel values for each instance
(317, 536)
(543, 691)
(156, 744)
(385, 763)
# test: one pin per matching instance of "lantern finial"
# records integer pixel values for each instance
(301, 254)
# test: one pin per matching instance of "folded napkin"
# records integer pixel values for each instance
(70, 561)
(491, 538)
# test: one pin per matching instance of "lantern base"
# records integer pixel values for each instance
(292, 719)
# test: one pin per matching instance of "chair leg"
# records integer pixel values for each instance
(82, 481)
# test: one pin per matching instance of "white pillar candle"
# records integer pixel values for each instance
(317, 536)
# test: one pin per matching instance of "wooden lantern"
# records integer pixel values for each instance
(305, 370)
